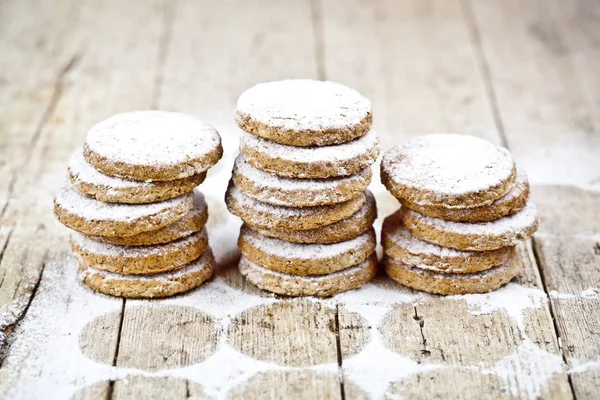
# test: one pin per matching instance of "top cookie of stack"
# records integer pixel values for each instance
(464, 209)
(131, 199)
(300, 185)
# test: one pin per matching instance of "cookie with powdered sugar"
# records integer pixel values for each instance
(448, 170)
(452, 284)
(310, 162)
(138, 259)
(305, 259)
(509, 204)
(92, 183)
(398, 243)
(304, 112)
(317, 285)
(267, 216)
(152, 146)
(93, 217)
(479, 236)
(149, 286)
(193, 222)
(346, 229)
(292, 192)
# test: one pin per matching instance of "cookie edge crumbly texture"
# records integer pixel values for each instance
(175, 231)
(309, 170)
(470, 262)
(452, 284)
(466, 242)
(306, 266)
(324, 215)
(158, 191)
(122, 228)
(152, 264)
(490, 212)
(124, 170)
(278, 196)
(345, 229)
(320, 286)
(131, 288)
(304, 137)
(427, 198)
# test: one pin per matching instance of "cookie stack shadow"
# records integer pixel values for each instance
(138, 222)
(300, 186)
(464, 209)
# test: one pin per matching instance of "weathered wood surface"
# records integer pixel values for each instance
(518, 73)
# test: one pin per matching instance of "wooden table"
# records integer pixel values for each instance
(520, 73)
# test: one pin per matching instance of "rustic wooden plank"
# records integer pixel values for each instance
(542, 70)
(113, 70)
(414, 60)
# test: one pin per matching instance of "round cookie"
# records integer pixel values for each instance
(193, 222)
(303, 112)
(290, 192)
(320, 285)
(310, 162)
(398, 243)
(92, 183)
(148, 286)
(141, 259)
(346, 229)
(305, 259)
(448, 170)
(481, 236)
(512, 202)
(152, 146)
(94, 217)
(267, 216)
(452, 284)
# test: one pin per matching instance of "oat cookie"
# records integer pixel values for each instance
(346, 229)
(480, 236)
(148, 286)
(290, 192)
(449, 284)
(305, 259)
(94, 217)
(193, 222)
(152, 146)
(92, 183)
(267, 216)
(310, 162)
(509, 204)
(448, 170)
(138, 259)
(303, 112)
(398, 243)
(319, 285)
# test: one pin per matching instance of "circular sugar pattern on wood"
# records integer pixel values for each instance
(192, 337)
(133, 387)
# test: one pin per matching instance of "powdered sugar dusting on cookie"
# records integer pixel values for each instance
(105, 249)
(449, 164)
(284, 249)
(304, 105)
(94, 210)
(153, 138)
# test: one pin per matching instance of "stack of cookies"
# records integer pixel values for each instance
(138, 221)
(464, 209)
(300, 185)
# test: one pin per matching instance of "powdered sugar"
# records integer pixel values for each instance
(304, 105)
(151, 138)
(512, 225)
(449, 164)
(104, 249)
(283, 249)
(94, 210)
